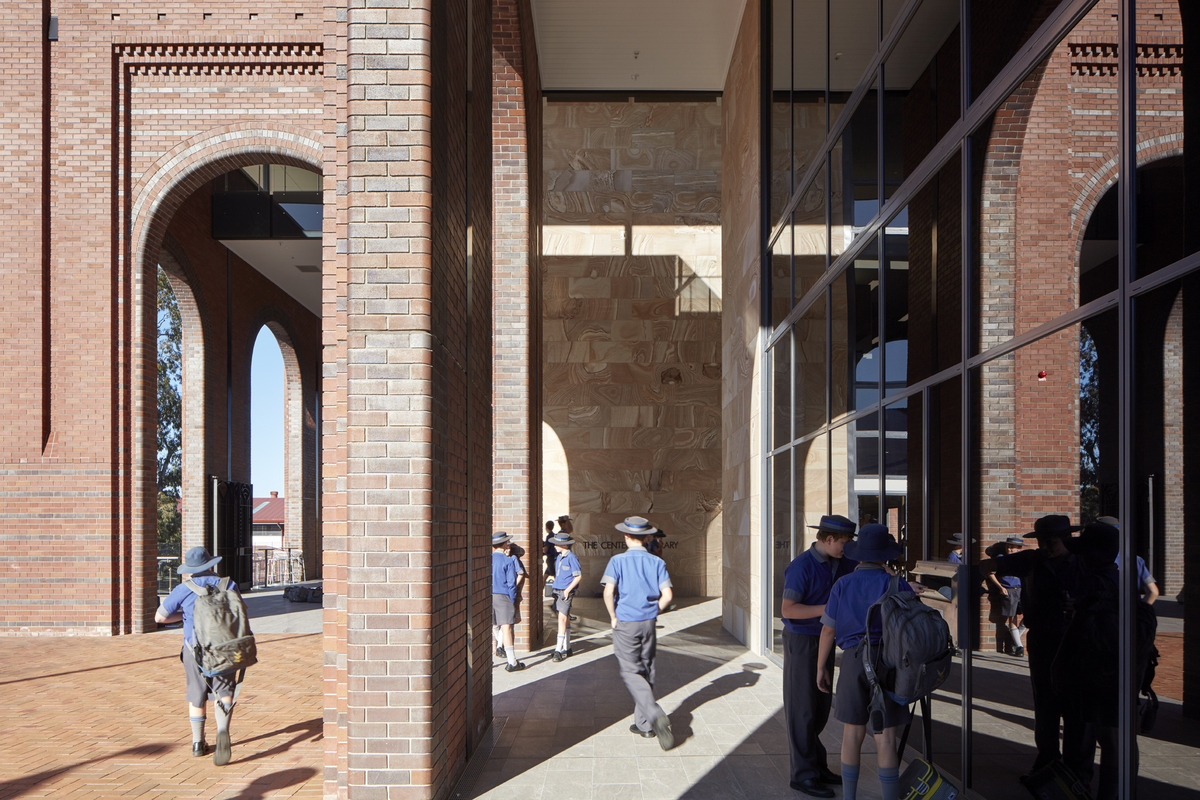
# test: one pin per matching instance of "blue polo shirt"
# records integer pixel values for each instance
(954, 558)
(183, 599)
(846, 609)
(504, 575)
(808, 580)
(640, 579)
(566, 569)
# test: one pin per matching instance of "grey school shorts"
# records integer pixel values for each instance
(504, 611)
(852, 701)
(197, 690)
(562, 601)
(1006, 605)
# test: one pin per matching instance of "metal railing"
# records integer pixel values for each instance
(278, 566)
(168, 575)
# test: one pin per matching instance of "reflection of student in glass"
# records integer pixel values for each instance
(1005, 594)
(956, 548)
(1086, 672)
(1147, 585)
(1050, 577)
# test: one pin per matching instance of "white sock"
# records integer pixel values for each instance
(561, 645)
(496, 636)
(566, 637)
(1015, 633)
(511, 656)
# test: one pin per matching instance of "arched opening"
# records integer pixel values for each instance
(244, 232)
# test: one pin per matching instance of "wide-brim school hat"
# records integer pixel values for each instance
(874, 543)
(1052, 525)
(636, 526)
(561, 538)
(197, 559)
(1098, 540)
(835, 523)
(501, 537)
(1017, 540)
(957, 540)
(1116, 523)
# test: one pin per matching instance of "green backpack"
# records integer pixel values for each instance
(223, 641)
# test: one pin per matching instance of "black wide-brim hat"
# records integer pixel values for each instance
(874, 543)
(1052, 525)
(1098, 540)
(197, 559)
(835, 523)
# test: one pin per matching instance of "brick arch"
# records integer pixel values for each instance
(300, 433)
(156, 197)
(194, 318)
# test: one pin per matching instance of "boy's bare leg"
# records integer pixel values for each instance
(885, 744)
(852, 741)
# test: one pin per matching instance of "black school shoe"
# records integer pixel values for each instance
(812, 787)
(644, 734)
(222, 753)
(500, 651)
(199, 748)
(517, 667)
(827, 776)
(662, 729)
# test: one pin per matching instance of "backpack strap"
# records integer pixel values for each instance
(195, 587)
(224, 583)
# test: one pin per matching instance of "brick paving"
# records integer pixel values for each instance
(106, 718)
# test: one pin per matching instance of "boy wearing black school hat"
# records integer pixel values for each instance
(806, 586)
(845, 622)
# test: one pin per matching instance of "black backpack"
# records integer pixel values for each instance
(913, 656)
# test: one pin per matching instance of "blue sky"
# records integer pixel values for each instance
(266, 416)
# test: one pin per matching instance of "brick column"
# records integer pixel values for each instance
(516, 315)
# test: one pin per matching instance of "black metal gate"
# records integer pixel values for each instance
(231, 533)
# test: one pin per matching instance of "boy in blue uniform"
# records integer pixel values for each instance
(643, 589)
(567, 575)
(1005, 594)
(506, 580)
(806, 585)
(845, 621)
(178, 605)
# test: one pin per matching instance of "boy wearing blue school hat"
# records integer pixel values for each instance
(567, 576)
(845, 622)
(505, 582)
(807, 582)
(636, 589)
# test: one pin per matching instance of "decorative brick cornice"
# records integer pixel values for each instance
(1153, 59)
(221, 58)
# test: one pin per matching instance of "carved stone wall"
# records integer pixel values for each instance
(631, 329)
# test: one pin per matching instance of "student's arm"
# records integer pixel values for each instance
(609, 590)
(824, 678)
(793, 610)
(166, 619)
(665, 598)
(171, 610)
(995, 585)
(1151, 592)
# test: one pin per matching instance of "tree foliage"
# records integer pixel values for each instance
(170, 419)
(1089, 427)
(170, 375)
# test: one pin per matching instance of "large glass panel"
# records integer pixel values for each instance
(839, 353)
(811, 237)
(781, 277)
(1167, 188)
(856, 173)
(812, 487)
(922, 288)
(894, 469)
(1047, 445)
(862, 294)
(781, 361)
(812, 341)
(920, 82)
(782, 514)
(1041, 168)
(998, 30)
(853, 40)
(781, 107)
(1163, 526)
(809, 64)
(854, 479)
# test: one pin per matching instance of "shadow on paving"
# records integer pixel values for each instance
(268, 785)
(24, 784)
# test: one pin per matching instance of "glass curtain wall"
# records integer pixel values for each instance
(975, 323)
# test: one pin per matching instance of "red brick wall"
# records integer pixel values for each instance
(516, 122)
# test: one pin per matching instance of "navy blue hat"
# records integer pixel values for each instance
(874, 543)
(500, 537)
(835, 523)
(1052, 525)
